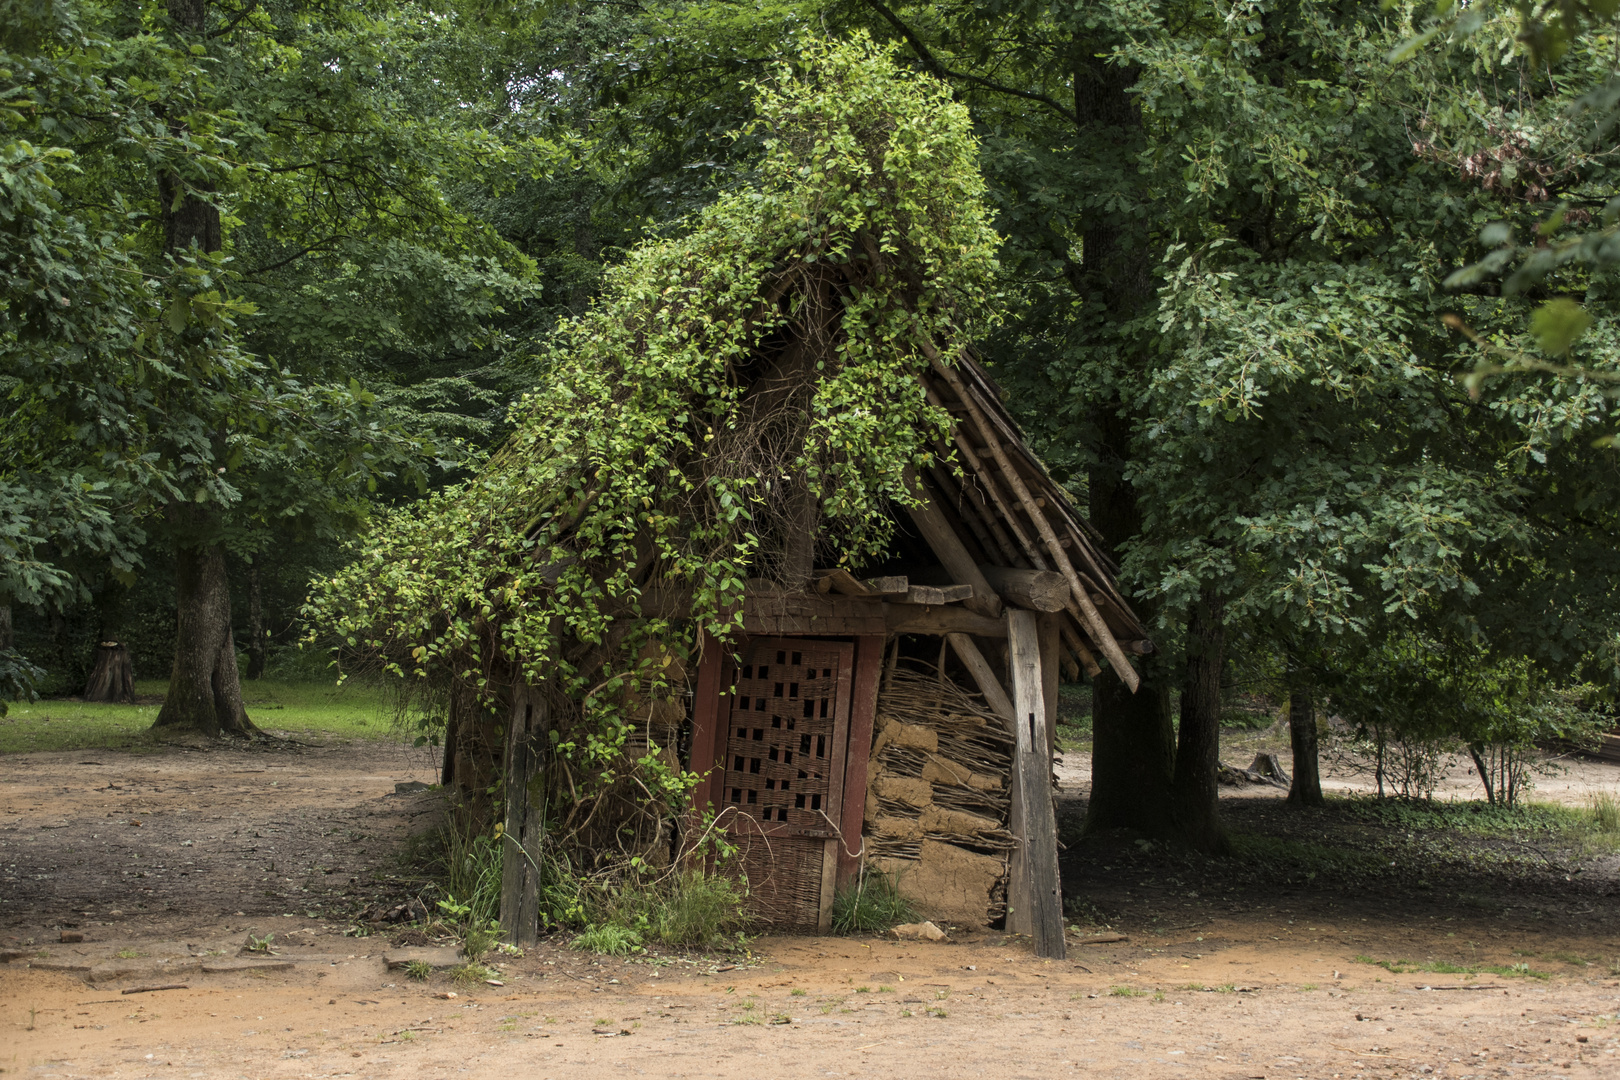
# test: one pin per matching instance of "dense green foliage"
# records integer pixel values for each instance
(1314, 303)
(642, 464)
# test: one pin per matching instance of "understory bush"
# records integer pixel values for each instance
(1411, 701)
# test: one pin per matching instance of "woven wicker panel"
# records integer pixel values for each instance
(781, 758)
(784, 878)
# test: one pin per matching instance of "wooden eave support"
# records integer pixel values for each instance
(1035, 590)
(1034, 890)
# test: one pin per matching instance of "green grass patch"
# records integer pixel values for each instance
(1126, 991)
(1442, 967)
(351, 711)
(608, 940)
(875, 903)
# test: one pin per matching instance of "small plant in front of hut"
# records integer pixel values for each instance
(467, 974)
(873, 903)
(259, 945)
(609, 939)
(419, 969)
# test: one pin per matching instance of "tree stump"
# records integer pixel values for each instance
(112, 678)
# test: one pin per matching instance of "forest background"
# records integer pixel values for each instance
(1311, 305)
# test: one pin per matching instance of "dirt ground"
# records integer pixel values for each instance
(169, 862)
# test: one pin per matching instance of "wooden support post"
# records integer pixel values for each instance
(524, 826)
(1034, 893)
(862, 713)
(708, 737)
(948, 548)
(985, 676)
(1051, 648)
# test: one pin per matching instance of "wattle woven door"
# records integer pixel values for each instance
(786, 716)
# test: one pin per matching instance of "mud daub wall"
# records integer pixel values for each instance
(937, 802)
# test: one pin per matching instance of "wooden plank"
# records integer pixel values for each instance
(840, 581)
(1037, 590)
(835, 793)
(1034, 892)
(984, 676)
(934, 594)
(524, 826)
(708, 743)
(862, 715)
(887, 586)
(1048, 625)
(829, 626)
(922, 619)
(948, 549)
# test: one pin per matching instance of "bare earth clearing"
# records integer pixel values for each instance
(167, 861)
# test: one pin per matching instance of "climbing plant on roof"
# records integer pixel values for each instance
(741, 402)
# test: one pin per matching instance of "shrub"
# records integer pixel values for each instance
(698, 909)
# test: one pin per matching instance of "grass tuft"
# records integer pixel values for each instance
(1442, 967)
(875, 903)
(609, 939)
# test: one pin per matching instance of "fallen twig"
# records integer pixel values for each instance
(150, 989)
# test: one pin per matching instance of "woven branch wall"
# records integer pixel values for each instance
(937, 800)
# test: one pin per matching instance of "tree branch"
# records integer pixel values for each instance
(940, 70)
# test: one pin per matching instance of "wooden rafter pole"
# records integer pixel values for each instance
(970, 457)
(1093, 620)
(947, 547)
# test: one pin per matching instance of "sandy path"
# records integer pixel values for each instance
(1005, 1014)
(298, 838)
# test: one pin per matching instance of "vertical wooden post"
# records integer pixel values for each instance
(524, 826)
(1050, 629)
(1034, 880)
(708, 740)
(862, 714)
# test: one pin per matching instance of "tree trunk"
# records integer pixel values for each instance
(205, 688)
(1199, 745)
(1307, 787)
(1133, 741)
(112, 678)
(6, 636)
(256, 643)
(1485, 776)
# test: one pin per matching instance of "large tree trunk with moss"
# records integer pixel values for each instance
(1199, 741)
(205, 687)
(1307, 786)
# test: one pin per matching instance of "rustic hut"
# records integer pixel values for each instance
(906, 718)
(766, 553)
